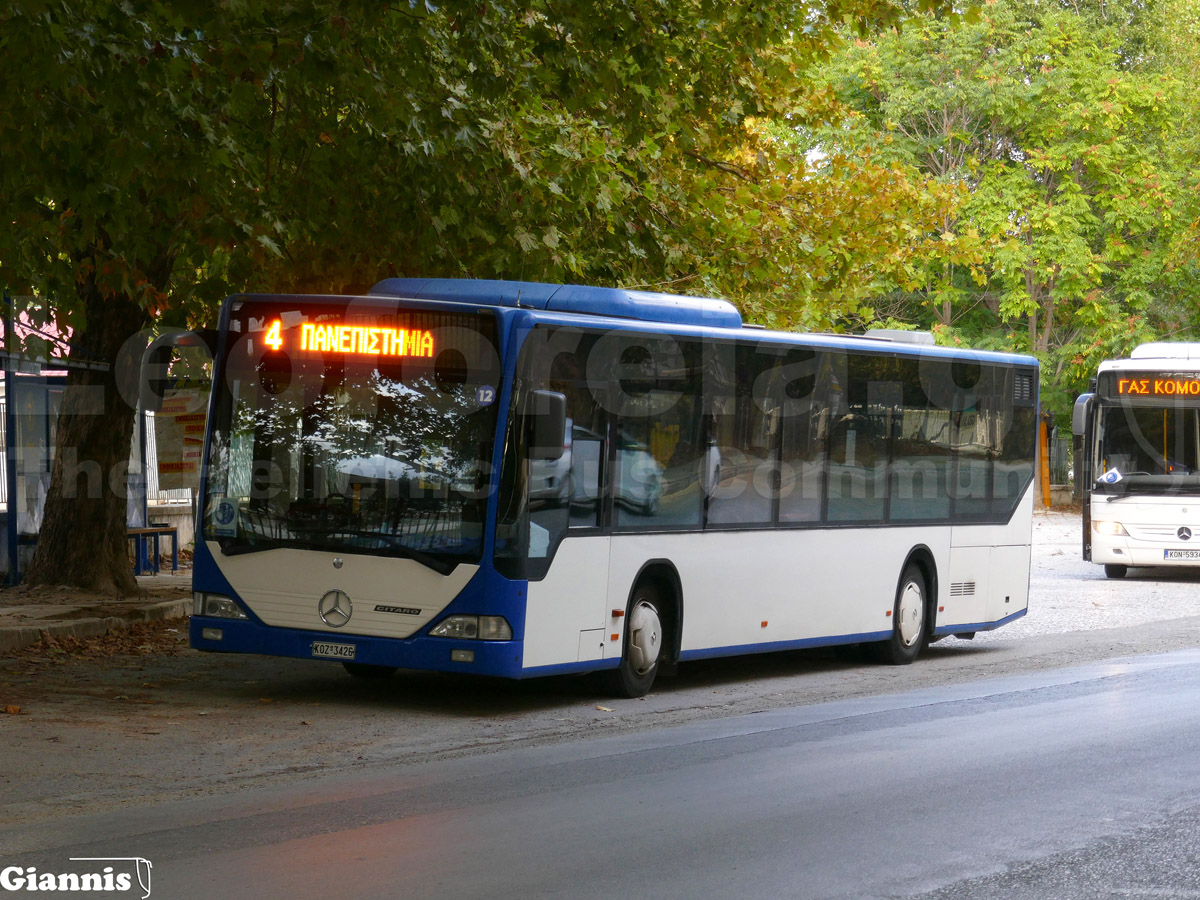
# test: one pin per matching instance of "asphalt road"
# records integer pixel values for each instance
(1071, 783)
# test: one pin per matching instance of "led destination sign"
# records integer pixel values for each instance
(355, 340)
(1149, 388)
(1158, 387)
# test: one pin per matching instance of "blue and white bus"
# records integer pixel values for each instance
(518, 479)
(1137, 459)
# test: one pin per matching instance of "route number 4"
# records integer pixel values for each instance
(274, 339)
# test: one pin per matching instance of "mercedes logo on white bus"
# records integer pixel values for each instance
(335, 609)
(1185, 533)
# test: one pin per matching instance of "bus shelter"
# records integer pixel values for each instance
(29, 405)
(30, 399)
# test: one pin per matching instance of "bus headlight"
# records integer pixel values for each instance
(474, 628)
(216, 605)
(1110, 528)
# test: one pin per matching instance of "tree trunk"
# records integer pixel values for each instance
(1048, 326)
(82, 542)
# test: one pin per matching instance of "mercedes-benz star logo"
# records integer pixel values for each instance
(335, 609)
(1185, 533)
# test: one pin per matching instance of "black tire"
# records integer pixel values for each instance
(366, 670)
(909, 620)
(644, 634)
(1115, 570)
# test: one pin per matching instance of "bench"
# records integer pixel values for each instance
(143, 539)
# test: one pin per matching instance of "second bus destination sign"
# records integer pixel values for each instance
(1145, 384)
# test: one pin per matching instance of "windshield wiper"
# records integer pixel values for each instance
(1144, 483)
(441, 565)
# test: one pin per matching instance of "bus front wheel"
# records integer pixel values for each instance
(1115, 571)
(643, 645)
(908, 620)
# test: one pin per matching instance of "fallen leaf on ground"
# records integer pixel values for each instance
(604, 708)
(12, 710)
(140, 639)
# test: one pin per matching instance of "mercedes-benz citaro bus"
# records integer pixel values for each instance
(1137, 459)
(519, 479)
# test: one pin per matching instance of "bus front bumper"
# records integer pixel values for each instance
(498, 658)
(1128, 551)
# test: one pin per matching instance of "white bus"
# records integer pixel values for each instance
(1137, 459)
(521, 479)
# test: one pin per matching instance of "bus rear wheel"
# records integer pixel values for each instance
(366, 670)
(643, 645)
(908, 620)
(1115, 571)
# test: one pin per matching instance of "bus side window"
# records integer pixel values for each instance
(923, 456)
(739, 461)
(1015, 435)
(977, 419)
(858, 441)
(660, 439)
(803, 397)
(585, 453)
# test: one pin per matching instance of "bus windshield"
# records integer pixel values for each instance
(1143, 447)
(369, 432)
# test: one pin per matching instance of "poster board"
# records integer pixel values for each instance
(179, 437)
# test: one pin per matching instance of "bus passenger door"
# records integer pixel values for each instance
(589, 548)
(566, 621)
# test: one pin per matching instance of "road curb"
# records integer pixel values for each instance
(18, 637)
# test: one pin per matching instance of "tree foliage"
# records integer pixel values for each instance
(1063, 131)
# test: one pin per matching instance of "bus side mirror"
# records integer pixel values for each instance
(545, 422)
(1081, 434)
(156, 362)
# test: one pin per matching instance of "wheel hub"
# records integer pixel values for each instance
(645, 637)
(911, 614)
